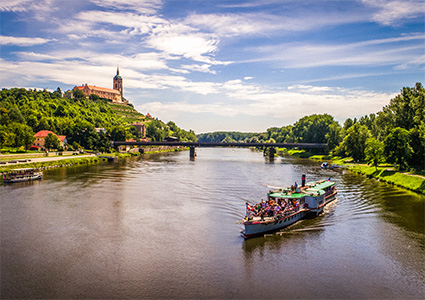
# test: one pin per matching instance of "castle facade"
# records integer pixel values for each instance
(115, 94)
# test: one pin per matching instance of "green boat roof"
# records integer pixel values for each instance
(316, 188)
(323, 185)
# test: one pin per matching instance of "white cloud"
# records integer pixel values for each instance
(391, 51)
(392, 12)
(139, 24)
(267, 24)
(15, 5)
(205, 68)
(22, 41)
(280, 105)
(182, 40)
(141, 6)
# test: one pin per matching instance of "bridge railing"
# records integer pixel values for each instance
(210, 144)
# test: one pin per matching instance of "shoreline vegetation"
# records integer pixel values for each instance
(384, 172)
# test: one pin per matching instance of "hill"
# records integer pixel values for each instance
(25, 111)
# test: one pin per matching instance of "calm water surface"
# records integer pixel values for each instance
(165, 227)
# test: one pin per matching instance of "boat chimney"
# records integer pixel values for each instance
(303, 180)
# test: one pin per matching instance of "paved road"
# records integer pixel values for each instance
(46, 158)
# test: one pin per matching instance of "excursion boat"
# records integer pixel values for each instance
(24, 174)
(287, 206)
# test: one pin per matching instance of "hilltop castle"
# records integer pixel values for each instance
(115, 94)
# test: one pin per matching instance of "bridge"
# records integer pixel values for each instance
(193, 145)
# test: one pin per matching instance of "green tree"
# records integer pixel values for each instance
(52, 142)
(397, 148)
(118, 133)
(60, 111)
(57, 93)
(374, 152)
(313, 129)
(7, 138)
(228, 139)
(155, 131)
(78, 94)
(4, 116)
(355, 141)
(24, 135)
(15, 115)
(334, 136)
(103, 143)
(417, 141)
(94, 97)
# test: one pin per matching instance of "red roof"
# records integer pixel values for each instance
(44, 133)
(97, 88)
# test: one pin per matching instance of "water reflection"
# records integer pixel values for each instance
(163, 226)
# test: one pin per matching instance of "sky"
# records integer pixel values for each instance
(216, 65)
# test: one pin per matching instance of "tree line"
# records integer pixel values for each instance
(23, 112)
(396, 134)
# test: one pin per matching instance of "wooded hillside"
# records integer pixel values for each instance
(24, 112)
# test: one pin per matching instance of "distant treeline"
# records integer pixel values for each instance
(396, 134)
(24, 112)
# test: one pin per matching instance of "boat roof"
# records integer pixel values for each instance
(22, 169)
(323, 185)
(314, 187)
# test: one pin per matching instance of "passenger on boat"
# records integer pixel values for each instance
(277, 210)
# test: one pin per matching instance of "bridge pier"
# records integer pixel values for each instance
(272, 152)
(192, 152)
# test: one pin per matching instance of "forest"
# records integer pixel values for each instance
(395, 135)
(23, 112)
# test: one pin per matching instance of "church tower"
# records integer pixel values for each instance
(118, 83)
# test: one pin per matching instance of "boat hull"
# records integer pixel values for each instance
(257, 228)
(30, 178)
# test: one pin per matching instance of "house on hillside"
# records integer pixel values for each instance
(141, 128)
(41, 136)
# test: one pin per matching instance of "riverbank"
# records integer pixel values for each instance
(43, 162)
(54, 163)
(384, 173)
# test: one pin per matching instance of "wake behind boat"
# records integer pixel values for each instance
(287, 206)
(23, 174)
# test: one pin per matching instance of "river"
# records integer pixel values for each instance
(164, 226)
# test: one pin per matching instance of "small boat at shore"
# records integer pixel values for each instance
(287, 206)
(23, 174)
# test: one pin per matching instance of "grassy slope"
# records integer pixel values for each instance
(409, 181)
(128, 113)
(387, 174)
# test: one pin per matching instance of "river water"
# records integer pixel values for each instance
(164, 226)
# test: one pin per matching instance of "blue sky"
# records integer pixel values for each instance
(212, 65)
